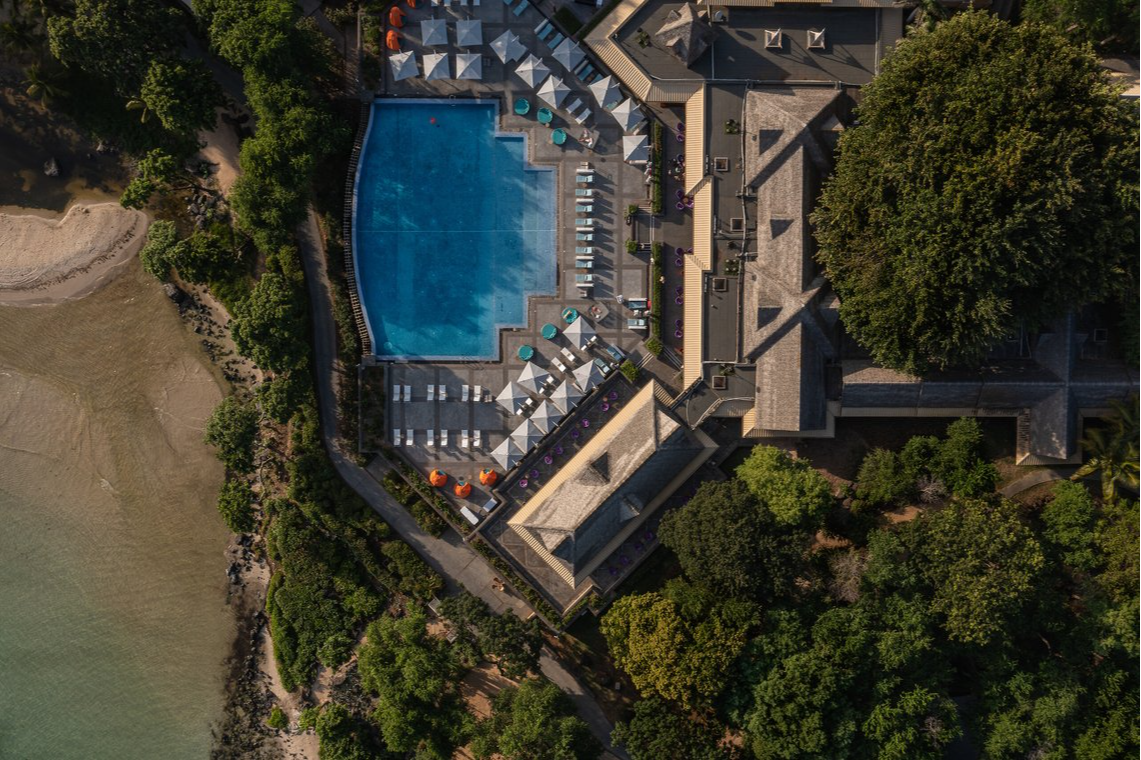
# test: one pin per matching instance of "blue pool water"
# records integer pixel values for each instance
(453, 230)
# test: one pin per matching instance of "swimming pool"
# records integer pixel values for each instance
(452, 229)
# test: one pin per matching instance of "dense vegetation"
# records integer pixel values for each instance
(992, 178)
(1014, 627)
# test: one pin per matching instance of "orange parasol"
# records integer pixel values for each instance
(438, 478)
(396, 16)
(392, 40)
(488, 477)
(411, 3)
(463, 489)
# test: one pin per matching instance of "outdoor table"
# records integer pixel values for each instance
(545, 116)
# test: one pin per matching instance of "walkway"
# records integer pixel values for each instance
(457, 562)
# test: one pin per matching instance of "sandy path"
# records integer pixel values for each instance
(46, 261)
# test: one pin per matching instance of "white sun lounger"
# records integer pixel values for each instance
(574, 106)
(478, 442)
(395, 436)
(396, 393)
(465, 442)
(465, 393)
(581, 118)
(584, 262)
(583, 221)
(469, 515)
(572, 358)
(431, 438)
(559, 366)
(408, 393)
(408, 439)
(443, 391)
(431, 393)
(584, 237)
(584, 192)
(584, 250)
(582, 279)
(478, 393)
(581, 209)
(444, 438)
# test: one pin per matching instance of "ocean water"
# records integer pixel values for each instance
(453, 229)
(113, 623)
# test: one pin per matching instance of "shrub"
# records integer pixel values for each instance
(277, 719)
(156, 255)
(659, 175)
(416, 578)
(656, 287)
(631, 246)
(233, 429)
(630, 370)
(883, 481)
(235, 503)
(654, 346)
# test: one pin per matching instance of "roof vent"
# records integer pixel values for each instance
(737, 224)
(721, 163)
(815, 39)
(601, 467)
(720, 284)
(631, 507)
(774, 39)
(720, 382)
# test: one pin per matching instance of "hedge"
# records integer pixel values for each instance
(425, 516)
(656, 288)
(659, 168)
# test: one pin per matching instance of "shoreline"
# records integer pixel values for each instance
(48, 258)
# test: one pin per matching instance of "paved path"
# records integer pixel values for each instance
(1037, 477)
(457, 562)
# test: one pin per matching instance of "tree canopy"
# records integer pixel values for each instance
(991, 178)
(233, 428)
(534, 721)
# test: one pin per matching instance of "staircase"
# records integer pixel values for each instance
(350, 269)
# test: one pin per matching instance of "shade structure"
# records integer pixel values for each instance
(554, 91)
(469, 33)
(507, 454)
(606, 92)
(587, 376)
(511, 398)
(403, 65)
(434, 31)
(527, 435)
(508, 47)
(532, 70)
(546, 416)
(469, 66)
(581, 333)
(436, 66)
(569, 54)
(566, 396)
(487, 477)
(392, 40)
(462, 489)
(635, 149)
(532, 378)
(438, 478)
(627, 114)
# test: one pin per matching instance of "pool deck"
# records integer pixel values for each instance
(616, 186)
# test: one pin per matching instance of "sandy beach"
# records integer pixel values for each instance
(45, 261)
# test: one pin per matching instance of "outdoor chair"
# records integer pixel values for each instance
(443, 391)
(395, 436)
(465, 441)
(431, 393)
(465, 393)
(444, 438)
(478, 439)
(431, 438)
(584, 249)
(408, 393)
(408, 440)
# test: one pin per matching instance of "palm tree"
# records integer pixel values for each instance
(43, 83)
(138, 104)
(1112, 450)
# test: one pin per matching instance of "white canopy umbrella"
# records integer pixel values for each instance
(554, 91)
(469, 33)
(532, 70)
(511, 398)
(507, 454)
(434, 31)
(635, 149)
(469, 66)
(581, 333)
(569, 54)
(526, 435)
(532, 378)
(627, 115)
(508, 47)
(546, 416)
(403, 65)
(587, 376)
(566, 396)
(436, 66)
(606, 92)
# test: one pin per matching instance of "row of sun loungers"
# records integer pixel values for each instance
(445, 3)
(403, 393)
(584, 224)
(474, 441)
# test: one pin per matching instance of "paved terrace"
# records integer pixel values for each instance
(616, 186)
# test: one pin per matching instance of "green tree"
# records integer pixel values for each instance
(789, 489)
(726, 537)
(534, 721)
(657, 730)
(44, 83)
(115, 40)
(966, 199)
(1112, 450)
(343, 736)
(883, 481)
(981, 561)
(181, 94)
(270, 326)
(158, 253)
(1070, 519)
(283, 394)
(235, 503)
(674, 648)
(414, 676)
(277, 719)
(1110, 25)
(201, 258)
(233, 429)
(154, 172)
(959, 463)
